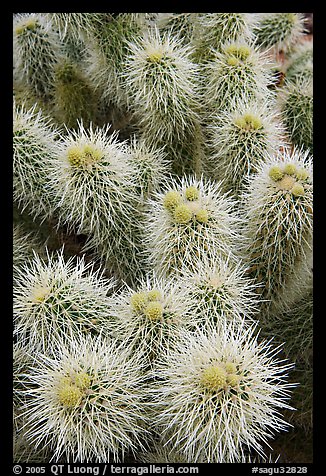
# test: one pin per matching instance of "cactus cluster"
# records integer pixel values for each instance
(162, 240)
(279, 30)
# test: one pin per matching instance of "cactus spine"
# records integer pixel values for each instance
(278, 209)
(187, 221)
(240, 138)
(34, 143)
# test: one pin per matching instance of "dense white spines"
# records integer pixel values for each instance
(107, 39)
(212, 30)
(190, 219)
(37, 50)
(221, 291)
(218, 393)
(160, 80)
(59, 297)
(149, 319)
(33, 147)
(92, 175)
(240, 137)
(296, 101)
(23, 245)
(94, 184)
(73, 23)
(74, 98)
(239, 71)
(170, 171)
(151, 164)
(279, 30)
(278, 207)
(300, 62)
(179, 24)
(85, 401)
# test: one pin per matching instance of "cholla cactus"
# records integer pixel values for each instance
(74, 99)
(278, 221)
(37, 50)
(107, 38)
(294, 326)
(59, 297)
(176, 164)
(33, 145)
(239, 71)
(240, 137)
(300, 62)
(291, 323)
(23, 358)
(190, 219)
(179, 24)
(160, 80)
(73, 23)
(221, 292)
(296, 101)
(151, 164)
(219, 393)
(213, 30)
(23, 245)
(149, 319)
(279, 30)
(85, 401)
(94, 185)
(91, 165)
(299, 291)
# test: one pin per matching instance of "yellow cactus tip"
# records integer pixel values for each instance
(82, 380)
(29, 24)
(297, 190)
(182, 214)
(230, 367)
(238, 52)
(214, 378)
(244, 52)
(91, 154)
(192, 193)
(292, 18)
(240, 122)
(233, 380)
(202, 216)
(232, 61)
(302, 174)
(70, 395)
(154, 310)
(248, 121)
(84, 156)
(275, 173)
(154, 295)
(154, 56)
(171, 200)
(40, 293)
(138, 301)
(290, 169)
(75, 156)
(231, 50)
(252, 121)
